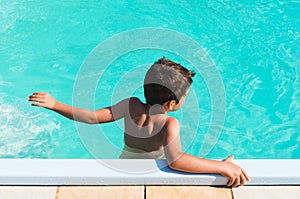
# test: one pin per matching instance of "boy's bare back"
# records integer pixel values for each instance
(144, 126)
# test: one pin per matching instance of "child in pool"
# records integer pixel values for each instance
(149, 132)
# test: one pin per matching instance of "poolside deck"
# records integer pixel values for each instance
(141, 179)
(148, 192)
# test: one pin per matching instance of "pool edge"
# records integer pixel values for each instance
(128, 172)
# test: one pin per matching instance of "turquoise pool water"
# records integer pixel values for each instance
(251, 49)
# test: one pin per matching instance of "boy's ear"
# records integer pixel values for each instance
(170, 104)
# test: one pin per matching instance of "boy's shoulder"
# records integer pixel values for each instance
(131, 100)
(135, 101)
(172, 127)
(172, 123)
(135, 104)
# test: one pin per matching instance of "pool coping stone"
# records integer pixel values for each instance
(136, 172)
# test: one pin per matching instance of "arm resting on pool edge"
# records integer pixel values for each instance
(181, 161)
(103, 115)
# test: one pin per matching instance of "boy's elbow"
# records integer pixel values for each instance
(175, 164)
(87, 120)
(91, 120)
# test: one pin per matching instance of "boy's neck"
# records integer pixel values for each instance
(156, 109)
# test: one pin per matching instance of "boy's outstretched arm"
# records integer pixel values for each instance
(181, 161)
(103, 115)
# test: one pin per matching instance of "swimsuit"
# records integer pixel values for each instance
(134, 153)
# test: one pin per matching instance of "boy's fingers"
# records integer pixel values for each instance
(38, 93)
(246, 175)
(36, 99)
(243, 179)
(230, 183)
(236, 182)
(32, 98)
(38, 104)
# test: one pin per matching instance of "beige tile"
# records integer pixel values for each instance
(100, 192)
(267, 192)
(27, 192)
(187, 192)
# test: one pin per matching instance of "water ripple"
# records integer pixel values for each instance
(26, 132)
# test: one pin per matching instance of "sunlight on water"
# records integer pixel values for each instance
(26, 133)
(254, 47)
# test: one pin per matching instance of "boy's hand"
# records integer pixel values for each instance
(42, 99)
(236, 175)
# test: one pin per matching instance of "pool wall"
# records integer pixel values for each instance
(136, 172)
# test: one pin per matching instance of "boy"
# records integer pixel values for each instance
(149, 132)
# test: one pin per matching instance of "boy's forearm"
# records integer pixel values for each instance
(193, 164)
(236, 175)
(73, 113)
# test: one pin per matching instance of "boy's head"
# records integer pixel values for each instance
(166, 81)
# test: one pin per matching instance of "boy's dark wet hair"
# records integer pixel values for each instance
(165, 81)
